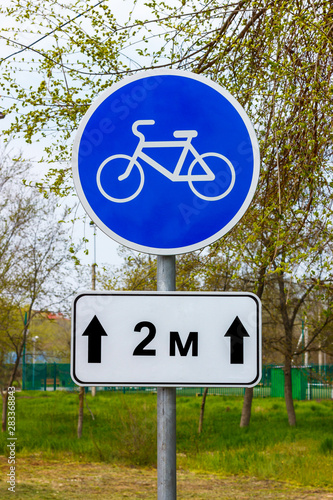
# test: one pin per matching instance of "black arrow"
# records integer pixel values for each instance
(95, 332)
(237, 333)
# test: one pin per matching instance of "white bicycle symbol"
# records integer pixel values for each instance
(174, 176)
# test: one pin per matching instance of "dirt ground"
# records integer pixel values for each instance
(43, 480)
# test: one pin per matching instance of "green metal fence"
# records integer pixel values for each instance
(311, 382)
(46, 376)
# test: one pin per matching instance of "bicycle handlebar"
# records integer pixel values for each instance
(179, 134)
(138, 123)
(184, 134)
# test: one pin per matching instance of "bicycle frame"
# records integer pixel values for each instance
(174, 176)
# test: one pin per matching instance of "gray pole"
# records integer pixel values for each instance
(93, 267)
(93, 283)
(166, 403)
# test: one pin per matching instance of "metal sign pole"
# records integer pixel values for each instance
(166, 403)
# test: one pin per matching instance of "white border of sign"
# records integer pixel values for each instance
(200, 244)
(148, 296)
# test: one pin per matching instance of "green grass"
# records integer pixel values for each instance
(123, 431)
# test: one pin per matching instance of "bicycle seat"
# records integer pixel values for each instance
(182, 134)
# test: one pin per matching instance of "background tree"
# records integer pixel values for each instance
(33, 274)
(54, 336)
(276, 59)
(16, 209)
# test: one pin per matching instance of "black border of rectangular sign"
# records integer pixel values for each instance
(167, 384)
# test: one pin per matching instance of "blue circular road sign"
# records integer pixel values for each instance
(165, 162)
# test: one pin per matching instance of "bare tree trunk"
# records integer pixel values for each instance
(288, 322)
(4, 394)
(248, 396)
(247, 406)
(288, 396)
(202, 410)
(80, 420)
(11, 380)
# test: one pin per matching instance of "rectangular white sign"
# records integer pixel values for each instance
(162, 339)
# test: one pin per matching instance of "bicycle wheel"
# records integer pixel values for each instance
(109, 173)
(223, 182)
